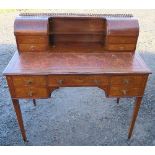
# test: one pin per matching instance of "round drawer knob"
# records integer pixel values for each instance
(96, 82)
(53, 46)
(30, 93)
(114, 56)
(32, 47)
(29, 82)
(60, 82)
(121, 48)
(124, 92)
(125, 81)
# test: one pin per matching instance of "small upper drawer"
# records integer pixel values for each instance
(71, 80)
(121, 40)
(25, 39)
(32, 47)
(19, 81)
(132, 81)
(120, 47)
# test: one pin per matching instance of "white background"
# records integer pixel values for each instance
(77, 4)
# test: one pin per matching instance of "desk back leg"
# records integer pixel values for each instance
(118, 100)
(34, 102)
(19, 118)
(134, 116)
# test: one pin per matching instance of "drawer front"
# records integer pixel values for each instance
(20, 81)
(31, 92)
(124, 92)
(120, 47)
(121, 40)
(128, 81)
(32, 47)
(32, 39)
(77, 80)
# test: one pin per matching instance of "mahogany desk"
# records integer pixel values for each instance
(34, 72)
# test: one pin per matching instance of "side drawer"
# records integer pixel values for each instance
(70, 80)
(125, 92)
(26, 39)
(130, 81)
(32, 47)
(120, 47)
(31, 92)
(20, 81)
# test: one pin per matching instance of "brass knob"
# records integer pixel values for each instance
(126, 81)
(121, 48)
(29, 81)
(96, 82)
(124, 92)
(40, 38)
(30, 93)
(60, 82)
(114, 56)
(32, 47)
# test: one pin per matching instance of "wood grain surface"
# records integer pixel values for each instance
(44, 63)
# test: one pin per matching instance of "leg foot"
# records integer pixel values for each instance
(134, 115)
(19, 118)
(118, 100)
(34, 102)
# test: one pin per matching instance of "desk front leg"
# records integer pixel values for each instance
(19, 118)
(134, 115)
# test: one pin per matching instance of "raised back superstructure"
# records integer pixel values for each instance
(76, 32)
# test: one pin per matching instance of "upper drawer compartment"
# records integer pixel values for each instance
(121, 40)
(19, 81)
(32, 47)
(71, 80)
(133, 81)
(120, 47)
(25, 39)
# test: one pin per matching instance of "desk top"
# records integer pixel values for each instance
(46, 63)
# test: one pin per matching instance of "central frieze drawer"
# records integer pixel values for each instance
(70, 80)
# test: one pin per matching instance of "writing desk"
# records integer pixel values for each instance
(34, 72)
(36, 76)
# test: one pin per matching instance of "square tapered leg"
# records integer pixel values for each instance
(134, 115)
(19, 118)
